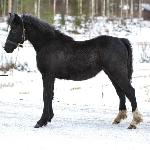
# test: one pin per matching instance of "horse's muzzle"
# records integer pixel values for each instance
(9, 48)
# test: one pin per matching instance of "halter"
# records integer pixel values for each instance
(20, 44)
(23, 37)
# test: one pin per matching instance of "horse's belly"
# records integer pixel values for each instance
(79, 75)
(83, 76)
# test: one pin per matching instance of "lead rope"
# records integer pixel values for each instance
(16, 57)
(15, 62)
(19, 45)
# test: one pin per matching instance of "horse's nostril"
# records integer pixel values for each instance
(3, 46)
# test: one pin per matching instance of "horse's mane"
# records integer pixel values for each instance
(44, 27)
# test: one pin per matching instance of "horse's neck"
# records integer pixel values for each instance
(34, 38)
(40, 34)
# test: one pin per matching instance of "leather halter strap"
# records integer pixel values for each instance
(20, 44)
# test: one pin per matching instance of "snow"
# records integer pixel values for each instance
(146, 6)
(84, 111)
(83, 119)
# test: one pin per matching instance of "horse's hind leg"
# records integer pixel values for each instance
(121, 80)
(129, 91)
(122, 107)
(137, 117)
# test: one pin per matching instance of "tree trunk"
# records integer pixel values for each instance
(38, 8)
(108, 8)
(140, 8)
(127, 9)
(112, 8)
(96, 7)
(67, 9)
(54, 7)
(104, 8)
(80, 7)
(4, 8)
(121, 9)
(93, 8)
(9, 6)
(131, 9)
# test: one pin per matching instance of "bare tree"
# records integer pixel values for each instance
(4, 8)
(104, 8)
(38, 12)
(9, 5)
(140, 8)
(67, 7)
(121, 8)
(54, 7)
(131, 9)
(93, 8)
(127, 7)
(108, 10)
(96, 7)
(112, 7)
(80, 7)
(37, 4)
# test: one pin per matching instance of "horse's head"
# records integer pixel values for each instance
(16, 34)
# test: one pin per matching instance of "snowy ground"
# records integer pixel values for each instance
(83, 118)
(84, 111)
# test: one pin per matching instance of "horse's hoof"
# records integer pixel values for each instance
(37, 126)
(50, 118)
(40, 125)
(116, 122)
(132, 127)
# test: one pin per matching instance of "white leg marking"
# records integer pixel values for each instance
(137, 118)
(121, 115)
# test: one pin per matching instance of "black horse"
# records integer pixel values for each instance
(59, 56)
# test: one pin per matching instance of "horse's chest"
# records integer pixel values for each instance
(50, 62)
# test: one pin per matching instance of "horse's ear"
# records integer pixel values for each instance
(10, 18)
(17, 19)
(9, 14)
(14, 19)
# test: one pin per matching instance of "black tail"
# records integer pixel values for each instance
(129, 48)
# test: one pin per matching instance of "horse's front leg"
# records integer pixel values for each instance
(48, 92)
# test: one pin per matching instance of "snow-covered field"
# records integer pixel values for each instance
(84, 111)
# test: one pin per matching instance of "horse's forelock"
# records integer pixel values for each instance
(14, 18)
(10, 19)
